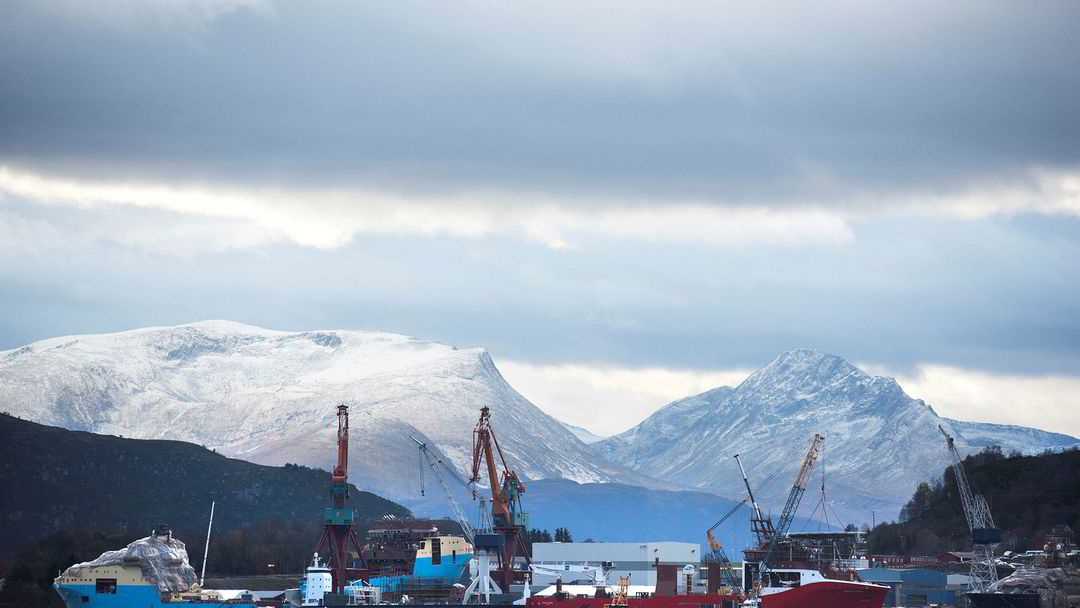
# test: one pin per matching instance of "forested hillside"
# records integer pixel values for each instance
(1027, 495)
(55, 480)
(67, 496)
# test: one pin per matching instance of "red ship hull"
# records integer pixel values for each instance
(819, 594)
(653, 601)
(828, 594)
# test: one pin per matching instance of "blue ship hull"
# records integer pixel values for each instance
(425, 573)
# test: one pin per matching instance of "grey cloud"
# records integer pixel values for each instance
(999, 295)
(409, 96)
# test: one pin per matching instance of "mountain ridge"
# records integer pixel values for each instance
(875, 434)
(268, 396)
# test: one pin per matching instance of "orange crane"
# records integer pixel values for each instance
(717, 558)
(507, 516)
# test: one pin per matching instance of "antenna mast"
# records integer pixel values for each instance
(206, 551)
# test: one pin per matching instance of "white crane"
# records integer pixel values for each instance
(984, 534)
(598, 574)
(436, 464)
(482, 585)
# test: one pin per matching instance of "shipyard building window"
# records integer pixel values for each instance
(106, 585)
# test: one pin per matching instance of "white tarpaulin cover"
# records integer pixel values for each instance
(163, 560)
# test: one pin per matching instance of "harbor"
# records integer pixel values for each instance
(488, 562)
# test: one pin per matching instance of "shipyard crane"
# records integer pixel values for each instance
(436, 464)
(794, 497)
(338, 519)
(984, 534)
(762, 527)
(508, 519)
(717, 557)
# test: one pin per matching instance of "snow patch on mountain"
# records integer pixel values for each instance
(268, 397)
(1023, 439)
(584, 435)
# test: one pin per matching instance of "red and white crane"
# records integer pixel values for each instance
(338, 519)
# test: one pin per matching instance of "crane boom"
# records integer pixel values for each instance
(799, 487)
(340, 474)
(794, 497)
(762, 526)
(459, 513)
(507, 516)
(718, 557)
(505, 490)
(984, 534)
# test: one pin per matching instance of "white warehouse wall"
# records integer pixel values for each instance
(634, 559)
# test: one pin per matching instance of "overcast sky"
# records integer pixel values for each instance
(625, 202)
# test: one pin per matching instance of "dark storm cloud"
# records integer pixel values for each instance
(198, 104)
(724, 104)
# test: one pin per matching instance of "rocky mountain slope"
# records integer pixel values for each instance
(269, 396)
(879, 441)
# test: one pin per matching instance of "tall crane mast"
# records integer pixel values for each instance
(984, 534)
(338, 519)
(794, 497)
(508, 518)
(762, 526)
(435, 464)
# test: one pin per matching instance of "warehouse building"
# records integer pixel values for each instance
(917, 586)
(637, 560)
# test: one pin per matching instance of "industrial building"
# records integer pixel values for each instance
(917, 586)
(638, 560)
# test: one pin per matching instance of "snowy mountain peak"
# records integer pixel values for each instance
(267, 396)
(879, 441)
(808, 383)
(802, 370)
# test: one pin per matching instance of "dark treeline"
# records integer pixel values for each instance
(536, 535)
(1027, 495)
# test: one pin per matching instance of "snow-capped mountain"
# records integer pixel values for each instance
(879, 441)
(584, 435)
(1023, 439)
(269, 396)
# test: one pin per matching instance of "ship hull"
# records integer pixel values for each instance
(653, 601)
(828, 594)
